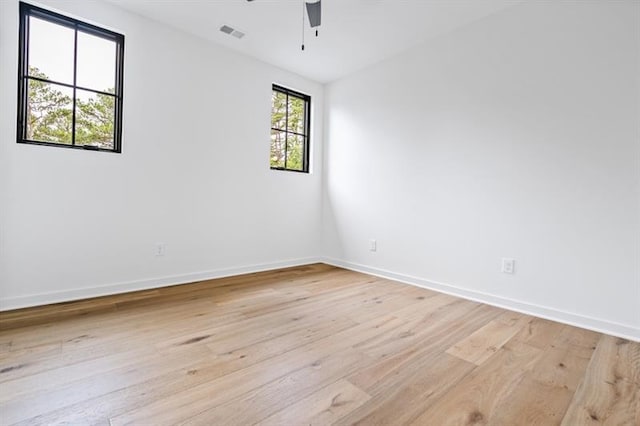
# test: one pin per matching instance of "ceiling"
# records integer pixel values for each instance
(354, 33)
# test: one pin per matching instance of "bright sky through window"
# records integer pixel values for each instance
(71, 73)
(51, 51)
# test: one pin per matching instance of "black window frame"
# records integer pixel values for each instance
(27, 10)
(307, 127)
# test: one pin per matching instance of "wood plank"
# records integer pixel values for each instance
(396, 365)
(533, 403)
(402, 401)
(38, 402)
(475, 398)
(546, 390)
(610, 390)
(276, 395)
(485, 342)
(581, 342)
(324, 407)
(539, 332)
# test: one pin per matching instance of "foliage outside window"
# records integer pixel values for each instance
(290, 117)
(70, 82)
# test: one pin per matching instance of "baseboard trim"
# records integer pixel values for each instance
(595, 324)
(146, 284)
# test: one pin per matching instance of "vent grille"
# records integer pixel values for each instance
(232, 31)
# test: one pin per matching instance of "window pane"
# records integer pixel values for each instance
(49, 112)
(295, 152)
(95, 119)
(279, 110)
(278, 147)
(96, 63)
(296, 115)
(50, 51)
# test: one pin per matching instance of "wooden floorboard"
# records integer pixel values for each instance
(311, 345)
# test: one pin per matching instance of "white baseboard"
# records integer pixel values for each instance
(146, 284)
(595, 324)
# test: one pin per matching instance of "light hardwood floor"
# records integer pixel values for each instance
(307, 345)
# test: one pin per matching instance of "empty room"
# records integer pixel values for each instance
(320, 212)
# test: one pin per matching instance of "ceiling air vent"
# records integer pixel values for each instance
(231, 31)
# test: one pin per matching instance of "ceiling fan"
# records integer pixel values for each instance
(314, 13)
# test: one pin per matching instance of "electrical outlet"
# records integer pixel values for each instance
(508, 265)
(373, 245)
(160, 249)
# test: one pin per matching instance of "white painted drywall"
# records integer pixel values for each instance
(516, 136)
(194, 174)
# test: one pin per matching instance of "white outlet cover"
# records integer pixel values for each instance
(508, 265)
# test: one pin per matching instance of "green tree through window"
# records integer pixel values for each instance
(49, 111)
(50, 115)
(70, 82)
(290, 113)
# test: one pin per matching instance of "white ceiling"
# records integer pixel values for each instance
(354, 33)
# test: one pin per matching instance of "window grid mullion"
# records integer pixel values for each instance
(307, 129)
(75, 78)
(71, 86)
(279, 130)
(25, 83)
(286, 132)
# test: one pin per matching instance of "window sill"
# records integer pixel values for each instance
(60, 145)
(290, 170)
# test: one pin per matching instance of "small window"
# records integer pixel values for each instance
(70, 82)
(290, 117)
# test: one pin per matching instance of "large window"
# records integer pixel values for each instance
(290, 116)
(70, 82)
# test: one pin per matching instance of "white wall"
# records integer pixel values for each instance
(516, 136)
(194, 174)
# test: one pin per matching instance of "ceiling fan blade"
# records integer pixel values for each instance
(314, 11)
